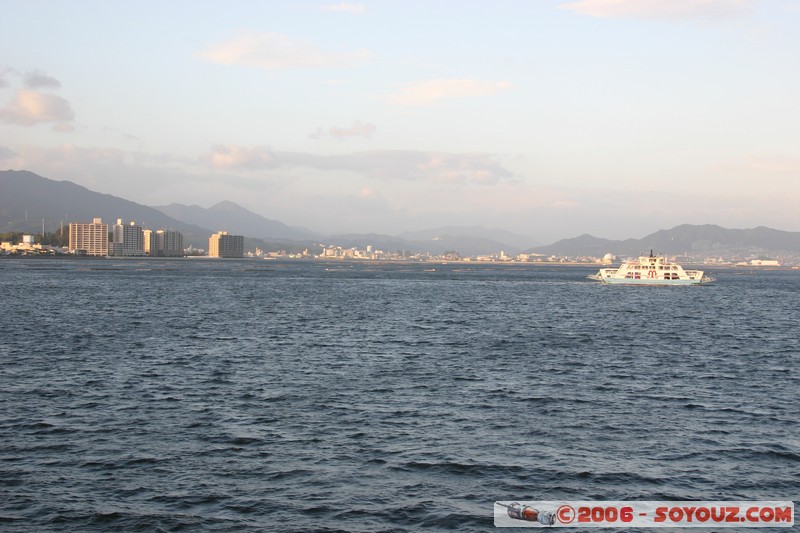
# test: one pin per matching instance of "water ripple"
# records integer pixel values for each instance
(200, 395)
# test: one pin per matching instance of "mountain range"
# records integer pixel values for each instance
(235, 219)
(706, 239)
(27, 200)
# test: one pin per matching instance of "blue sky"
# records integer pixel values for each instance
(548, 118)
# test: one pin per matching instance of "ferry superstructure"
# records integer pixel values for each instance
(651, 270)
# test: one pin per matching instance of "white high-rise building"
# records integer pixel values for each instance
(169, 243)
(90, 239)
(128, 239)
(150, 247)
(223, 245)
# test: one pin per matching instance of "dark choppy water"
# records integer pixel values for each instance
(243, 395)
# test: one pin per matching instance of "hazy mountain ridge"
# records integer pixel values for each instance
(27, 198)
(707, 239)
(233, 218)
(509, 241)
(41, 197)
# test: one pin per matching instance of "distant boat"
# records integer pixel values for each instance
(651, 270)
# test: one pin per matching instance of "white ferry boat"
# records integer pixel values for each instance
(652, 270)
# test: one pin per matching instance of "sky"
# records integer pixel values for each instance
(547, 118)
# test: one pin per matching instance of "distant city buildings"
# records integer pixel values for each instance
(168, 244)
(163, 243)
(149, 239)
(89, 239)
(223, 245)
(132, 240)
(128, 240)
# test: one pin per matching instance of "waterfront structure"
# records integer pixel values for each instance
(223, 245)
(765, 262)
(89, 239)
(128, 239)
(149, 242)
(169, 243)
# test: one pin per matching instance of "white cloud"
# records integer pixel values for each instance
(345, 7)
(4, 72)
(358, 129)
(274, 51)
(368, 192)
(29, 108)
(6, 153)
(421, 194)
(239, 157)
(662, 9)
(67, 156)
(475, 168)
(63, 127)
(146, 178)
(38, 80)
(775, 168)
(422, 93)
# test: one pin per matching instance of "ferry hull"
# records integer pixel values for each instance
(662, 282)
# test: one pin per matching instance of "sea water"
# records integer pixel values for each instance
(158, 395)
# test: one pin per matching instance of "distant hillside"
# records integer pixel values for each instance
(499, 239)
(684, 239)
(233, 218)
(582, 245)
(377, 241)
(27, 198)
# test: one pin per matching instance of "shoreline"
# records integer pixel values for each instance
(332, 260)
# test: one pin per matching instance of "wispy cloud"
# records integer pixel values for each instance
(274, 51)
(428, 92)
(358, 129)
(345, 7)
(28, 108)
(241, 157)
(772, 168)
(441, 167)
(6, 153)
(141, 177)
(4, 73)
(662, 9)
(39, 80)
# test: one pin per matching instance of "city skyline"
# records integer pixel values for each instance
(611, 117)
